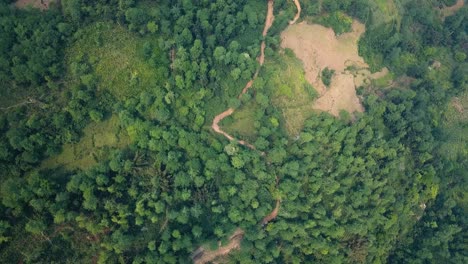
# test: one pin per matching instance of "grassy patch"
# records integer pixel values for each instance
(385, 11)
(125, 63)
(384, 81)
(289, 90)
(456, 128)
(93, 146)
(241, 123)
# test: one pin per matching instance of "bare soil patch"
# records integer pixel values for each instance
(201, 255)
(318, 48)
(450, 10)
(41, 4)
(456, 103)
(274, 213)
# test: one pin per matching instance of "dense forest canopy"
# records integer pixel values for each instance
(108, 155)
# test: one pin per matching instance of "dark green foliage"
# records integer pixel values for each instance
(368, 188)
(30, 46)
(338, 21)
(327, 75)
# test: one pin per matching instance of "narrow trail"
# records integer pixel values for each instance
(274, 213)
(298, 14)
(201, 255)
(28, 101)
(450, 10)
(261, 59)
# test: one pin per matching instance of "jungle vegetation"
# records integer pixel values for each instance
(107, 154)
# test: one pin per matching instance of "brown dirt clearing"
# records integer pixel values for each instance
(450, 10)
(41, 4)
(457, 104)
(201, 255)
(205, 256)
(318, 47)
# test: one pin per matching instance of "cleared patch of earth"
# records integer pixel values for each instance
(455, 126)
(98, 138)
(450, 10)
(41, 4)
(318, 48)
(457, 104)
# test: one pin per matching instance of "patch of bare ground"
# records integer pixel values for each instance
(202, 255)
(318, 48)
(450, 10)
(41, 4)
(458, 105)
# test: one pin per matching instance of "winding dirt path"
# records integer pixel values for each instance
(201, 256)
(450, 10)
(274, 213)
(41, 4)
(298, 14)
(261, 59)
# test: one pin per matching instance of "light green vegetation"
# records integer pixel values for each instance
(125, 63)
(455, 120)
(383, 81)
(385, 11)
(242, 121)
(93, 145)
(291, 93)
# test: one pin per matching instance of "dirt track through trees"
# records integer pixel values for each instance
(205, 256)
(450, 10)
(201, 255)
(41, 4)
(261, 59)
(298, 14)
